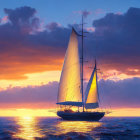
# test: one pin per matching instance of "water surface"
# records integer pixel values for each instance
(37, 128)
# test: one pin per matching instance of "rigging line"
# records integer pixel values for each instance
(82, 63)
(97, 87)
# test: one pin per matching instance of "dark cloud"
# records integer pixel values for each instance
(123, 93)
(52, 26)
(117, 40)
(20, 15)
(25, 49)
(86, 13)
(29, 96)
(23, 18)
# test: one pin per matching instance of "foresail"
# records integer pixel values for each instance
(91, 93)
(70, 83)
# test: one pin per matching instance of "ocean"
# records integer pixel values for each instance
(44, 128)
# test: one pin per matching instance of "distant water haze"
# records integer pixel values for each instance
(113, 112)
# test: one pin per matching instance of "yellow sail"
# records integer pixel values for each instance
(70, 81)
(92, 92)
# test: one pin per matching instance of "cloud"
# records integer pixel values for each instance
(90, 29)
(53, 25)
(85, 13)
(23, 18)
(117, 40)
(24, 49)
(124, 93)
(99, 11)
(44, 96)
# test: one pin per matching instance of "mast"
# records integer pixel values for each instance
(97, 80)
(82, 69)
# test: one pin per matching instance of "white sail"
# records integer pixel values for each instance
(91, 93)
(70, 82)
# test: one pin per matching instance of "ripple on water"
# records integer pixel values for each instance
(31, 128)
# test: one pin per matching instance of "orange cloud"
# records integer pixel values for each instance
(35, 51)
(15, 65)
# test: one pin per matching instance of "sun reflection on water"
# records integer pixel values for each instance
(27, 128)
(77, 126)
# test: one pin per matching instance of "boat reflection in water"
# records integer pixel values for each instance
(27, 128)
(77, 126)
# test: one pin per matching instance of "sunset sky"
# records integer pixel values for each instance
(33, 39)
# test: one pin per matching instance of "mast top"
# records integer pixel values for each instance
(95, 63)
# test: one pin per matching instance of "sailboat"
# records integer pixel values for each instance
(70, 92)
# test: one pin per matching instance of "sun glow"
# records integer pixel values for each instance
(34, 79)
(27, 113)
(124, 112)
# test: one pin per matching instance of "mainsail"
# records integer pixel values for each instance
(91, 93)
(69, 92)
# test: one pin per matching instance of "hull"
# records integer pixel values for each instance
(81, 116)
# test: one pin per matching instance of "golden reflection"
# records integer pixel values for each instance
(77, 126)
(28, 129)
